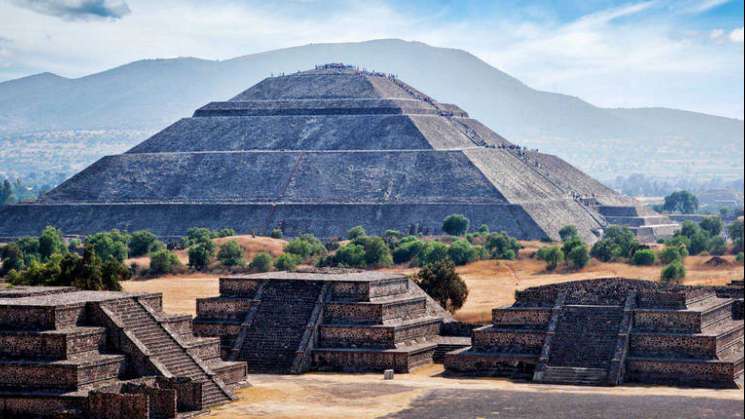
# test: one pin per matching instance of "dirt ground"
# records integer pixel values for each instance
(491, 283)
(318, 395)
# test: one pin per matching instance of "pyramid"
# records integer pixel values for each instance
(318, 152)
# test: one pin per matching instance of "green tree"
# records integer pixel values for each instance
(552, 255)
(6, 193)
(578, 257)
(231, 254)
(455, 225)
(462, 252)
(681, 201)
(112, 244)
(407, 249)
(392, 238)
(377, 252)
(671, 253)
(51, 242)
(13, 259)
(717, 246)
(201, 254)
(502, 246)
(306, 247)
(196, 235)
(163, 262)
(276, 233)
(351, 255)
(356, 232)
(568, 232)
(440, 281)
(262, 262)
(141, 243)
(735, 231)
(644, 257)
(287, 262)
(673, 273)
(432, 252)
(712, 225)
(622, 239)
(606, 250)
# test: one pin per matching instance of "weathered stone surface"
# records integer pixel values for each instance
(318, 152)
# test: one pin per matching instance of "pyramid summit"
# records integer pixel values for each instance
(320, 151)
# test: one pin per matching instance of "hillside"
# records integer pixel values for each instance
(148, 95)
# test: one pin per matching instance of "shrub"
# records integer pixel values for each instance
(377, 252)
(455, 225)
(276, 233)
(462, 252)
(712, 225)
(432, 252)
(110, 245)
(356, 232)
(552, 255)
(606, 250)
(163, 262)
(262, 262)
(223, 232)
(51, 242)
(671, 253)
(578, 257)
(644, 257)
(407, 249)
(141, 243)
(740, 257)
(350, 255)
(231, 254)
(673, 273)
(502, 246)
(483, 229)
(718, 246)
(681, 201)
(196, 235)
(287, 262)
(622, 241)
(201, 254)
(392, 238)
(699, 242)
(13, 259)
(567, 232)
(306, 246)
(735, 231)
(440, 281)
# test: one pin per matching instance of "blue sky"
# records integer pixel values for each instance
(676, 53)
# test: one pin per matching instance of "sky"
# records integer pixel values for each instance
(685, 54)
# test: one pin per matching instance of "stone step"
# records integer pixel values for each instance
(578, 376)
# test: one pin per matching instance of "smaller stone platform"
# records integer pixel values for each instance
(610, 331)
(73, 353)
(283, 322)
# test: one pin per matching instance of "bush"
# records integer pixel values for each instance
(231, 254)
(483, 229)
(644, 257)
(621, 240)
(455, 225)
(377, 252)
(350, 255)
(440, 281)
(740, 257)
(407, 249)
(306, 247)
(356, 232)
(681, 201)
(502, 246)
(578, 257)
(567, 232)
(196, 235)
(13, 259)
(110, 245)
(201, 254)
(606, 250)
(553, 256)
(262, 262)
(712, 225)
(141, 243)
(671, 253)
(735, 231)
(163, 262)
(673, 273)
(432, 252)
(699, 242)
(51, 242)
(276, 233)
(717, 246)
(287, 262)
(462, 252)
(223, 232)
(392, 238)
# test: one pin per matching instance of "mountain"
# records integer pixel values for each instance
(150, 94)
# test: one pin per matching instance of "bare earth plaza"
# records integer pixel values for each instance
(316, 152)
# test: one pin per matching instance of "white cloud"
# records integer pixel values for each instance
(77, 9)
(736, 36)
(716, 34)
(701, 6)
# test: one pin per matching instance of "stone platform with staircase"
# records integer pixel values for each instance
(610, 331)
(71, 353)
(284, 322)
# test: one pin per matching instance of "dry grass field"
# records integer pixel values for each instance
(491, 283)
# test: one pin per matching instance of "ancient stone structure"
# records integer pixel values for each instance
(610, 331)
(350, 321)
(319, 152)
(78, 353)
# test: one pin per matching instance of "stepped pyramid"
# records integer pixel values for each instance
(320, 151)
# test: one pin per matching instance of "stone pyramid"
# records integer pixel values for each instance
(317, 152)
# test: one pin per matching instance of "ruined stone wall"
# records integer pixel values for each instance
(32, 344)
(489, 339)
